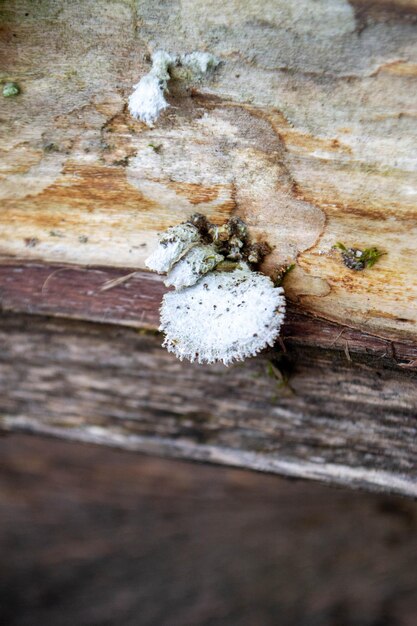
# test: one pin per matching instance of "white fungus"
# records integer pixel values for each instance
(172, 245)
(198, 261)
(148, 100)
(221, 310)
(225, 316)
(199, 62)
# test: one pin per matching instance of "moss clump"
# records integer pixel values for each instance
(356, 259)
(10, 90)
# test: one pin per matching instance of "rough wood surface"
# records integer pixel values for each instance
(306, 130)
(321, 414)
(96, 537)
(80, 293)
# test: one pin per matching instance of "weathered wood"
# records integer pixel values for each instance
(77, 292)
(94, 537)
(306, 130)
(340, 418)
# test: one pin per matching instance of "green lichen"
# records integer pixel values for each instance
(10, 90)
(356, 259)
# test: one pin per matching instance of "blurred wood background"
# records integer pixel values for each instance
(97, 537)
(307, 131)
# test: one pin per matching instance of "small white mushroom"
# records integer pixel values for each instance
(161, 62)
(200, 62)
(226, 316)
(197, 262)
(148, 99)
(173, 244)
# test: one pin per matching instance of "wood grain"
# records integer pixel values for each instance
(77, 292)
(306, 130)
(310, 414)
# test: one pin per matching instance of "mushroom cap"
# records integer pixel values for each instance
(173, 244)
(147, 101)
(225, 316)
(197, 262)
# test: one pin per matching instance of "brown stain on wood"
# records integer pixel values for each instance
(339, 188)
(195, 192)
(400, 68)
(87, 188)
(383, 10)
(96, 188)
(296, 140)
(118, 135)
(19, 159)
(389, 316)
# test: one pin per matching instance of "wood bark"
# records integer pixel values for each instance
(307, 131)
(314, 414)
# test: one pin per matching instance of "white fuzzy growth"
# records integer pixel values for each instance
(173, 244)
(161, 62)
(200, 62)
(226, 316)
(197, 262)
(148, 100)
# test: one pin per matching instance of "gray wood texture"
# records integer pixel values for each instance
(310, 413)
